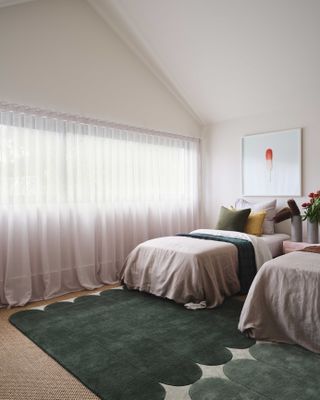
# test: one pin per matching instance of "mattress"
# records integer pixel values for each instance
(274, 242)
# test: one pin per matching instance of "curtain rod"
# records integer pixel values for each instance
(39, 112)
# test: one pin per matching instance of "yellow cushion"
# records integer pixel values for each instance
(254, 223)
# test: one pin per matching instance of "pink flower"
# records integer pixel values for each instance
(312, 207)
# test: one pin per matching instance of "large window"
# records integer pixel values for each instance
(76, 197)
(95, 165)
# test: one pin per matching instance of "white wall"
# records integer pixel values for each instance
(61, 55)
(222, 156)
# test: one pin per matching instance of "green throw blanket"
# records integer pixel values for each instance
(247, 268)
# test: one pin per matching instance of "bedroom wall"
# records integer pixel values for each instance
(222, 157)
(61, 55)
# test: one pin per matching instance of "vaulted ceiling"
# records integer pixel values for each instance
(225, 59)
(230, 58)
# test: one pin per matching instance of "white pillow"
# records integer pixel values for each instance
(268, 206)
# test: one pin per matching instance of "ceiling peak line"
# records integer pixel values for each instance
(134, 40)
(7, 3)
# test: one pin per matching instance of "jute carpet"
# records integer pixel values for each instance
(28, 373)
(127, 345)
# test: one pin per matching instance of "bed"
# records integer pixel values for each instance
(283, 303)
(275, 243)
(194, 268)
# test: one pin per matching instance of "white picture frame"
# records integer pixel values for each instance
(271, 163)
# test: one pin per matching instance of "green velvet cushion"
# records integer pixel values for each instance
(233, 220)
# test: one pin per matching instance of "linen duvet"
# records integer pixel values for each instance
(283, 304)
(190, 269)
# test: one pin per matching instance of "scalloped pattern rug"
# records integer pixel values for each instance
(126, 345)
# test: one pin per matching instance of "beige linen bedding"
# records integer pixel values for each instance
(186, 269)
(283, 303)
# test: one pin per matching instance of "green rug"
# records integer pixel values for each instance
(132, 346)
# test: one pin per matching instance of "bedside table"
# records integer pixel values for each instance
(289, 246)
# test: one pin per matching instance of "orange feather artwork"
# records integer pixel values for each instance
(269, 157)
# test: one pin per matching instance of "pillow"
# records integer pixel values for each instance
(269, 207)
(232, 220)
(254, 223)
(282, 215)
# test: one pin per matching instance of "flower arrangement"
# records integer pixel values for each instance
(312, 207)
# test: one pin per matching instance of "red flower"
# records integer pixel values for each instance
(312, 207)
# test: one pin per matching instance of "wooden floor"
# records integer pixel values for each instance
(28, 373)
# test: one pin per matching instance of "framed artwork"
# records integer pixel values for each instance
(271, 164)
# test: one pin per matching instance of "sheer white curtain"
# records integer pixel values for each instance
(75, 198)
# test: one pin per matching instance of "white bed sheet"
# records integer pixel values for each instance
(275, 242)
